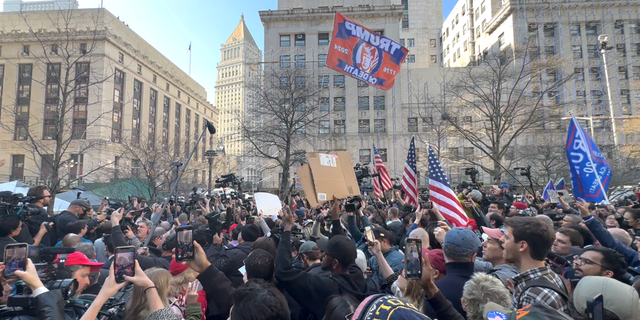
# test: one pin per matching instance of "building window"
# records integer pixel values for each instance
(338, 81)
(285, 61)
(324, 127)
(477, 14)
(549, 30)
(635, 49)
(592, 51)
(324, 104)
(176, 131)
(575, 30)
(618, 27)
(167, 87)
(579, 74)
(300, 60)
(54, 49)
(178, 93)
(117, 113)
(323, 39)
(402, 42)
(620, 50)
(339, 126)
(83, 48)
(625, 97)
(322, 60)
(26, 50)
(17, 167)
(592, 28)
(622, 73)
(136, 112)
(155, 79)
(432, 43)
(153, 105)
(187, 130)
(139, 69)
(596, 97)
(338, 104)
(482, 7)
(285, 40)
(500, 40)
(166, 106)
(300, 40)
(550, 50)
(412, 124)
(411, 58)
(46, 166)
(636, 72)
(594, 74)
(75, 166)
(364, 126)
(379, 103)
(379, 126)
(411, 43)
(301, 81)
(383, 154)
(577, 51)
(323, 81)
(364, 156)
(363, 103)
(120, 57)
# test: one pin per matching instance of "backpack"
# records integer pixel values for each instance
(544, 283)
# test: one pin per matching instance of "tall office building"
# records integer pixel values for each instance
(420, 31)
(568, 30)
(240, 60)
(122, 91)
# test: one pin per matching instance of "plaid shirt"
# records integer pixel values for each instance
(537, 294)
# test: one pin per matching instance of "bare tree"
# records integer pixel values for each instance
(67, 42)
(285, 114)
(502, 98)
(625, 164)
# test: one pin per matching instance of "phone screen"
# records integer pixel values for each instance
(15, 258)
(413, 258)
(124, 259)
(184, 250)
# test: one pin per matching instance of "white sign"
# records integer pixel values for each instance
(328, 160)
(268, 203)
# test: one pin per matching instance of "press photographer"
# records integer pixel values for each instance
(35, 214)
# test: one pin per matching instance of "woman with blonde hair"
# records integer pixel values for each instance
(137, 306)
(182, 282)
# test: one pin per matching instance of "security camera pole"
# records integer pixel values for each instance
(604, 39)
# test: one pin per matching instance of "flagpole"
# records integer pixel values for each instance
(189, 58)
(593, 165)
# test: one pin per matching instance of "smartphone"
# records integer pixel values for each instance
(413, 258)
(595, 307)
(124, 259)
(184, 250)
(350, 207)
(553, 196)
(368, 234)
(15, 258)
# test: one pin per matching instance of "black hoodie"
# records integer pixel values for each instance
(312, 291)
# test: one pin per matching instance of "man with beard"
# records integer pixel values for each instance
(527, 241)
(600, 262)
(78, 209)
(40, 199)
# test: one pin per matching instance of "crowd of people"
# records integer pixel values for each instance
(521, 259)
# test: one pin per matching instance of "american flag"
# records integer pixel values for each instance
(378, 167)
(410, 178)
(442, 195)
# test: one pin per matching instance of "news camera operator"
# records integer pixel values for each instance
(35, 215)
(11, 226)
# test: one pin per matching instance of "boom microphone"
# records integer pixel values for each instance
(211, 128)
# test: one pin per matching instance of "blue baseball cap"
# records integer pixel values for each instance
(460, 243)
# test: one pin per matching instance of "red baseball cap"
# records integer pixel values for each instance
(177, 268)
(79, 259)
(493, 233)
(520, 206)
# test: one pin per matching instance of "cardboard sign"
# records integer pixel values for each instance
(326, 176)
(363, 54)
(269, 204)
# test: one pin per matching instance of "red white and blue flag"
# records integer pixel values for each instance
(545, 192)
(364, 54)
(561, 185)
(441, 194)
(188, 50)
(383, 182)
(410, 177)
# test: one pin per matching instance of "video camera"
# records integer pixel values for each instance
(473, 174)
(228, 180)
(523, 171)
(17, 204)
(353, 204)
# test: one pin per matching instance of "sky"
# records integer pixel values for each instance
(169, 26)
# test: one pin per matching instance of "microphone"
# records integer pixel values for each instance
(211, 128)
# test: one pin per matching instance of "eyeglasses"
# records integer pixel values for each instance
(348, 316)
(582, 261)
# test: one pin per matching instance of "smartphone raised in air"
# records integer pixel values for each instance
(368, 234)
(595, 307)
(15, 258)
(184, 250)
(124, 259)
(413, 258)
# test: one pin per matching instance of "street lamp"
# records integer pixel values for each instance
(604, 39)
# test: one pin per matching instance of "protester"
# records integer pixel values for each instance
(600, 261)
(480, 290)
(493, 252)
(390, 252)
(77, 209)
(526, 242)
(229, 261)
(181, 280)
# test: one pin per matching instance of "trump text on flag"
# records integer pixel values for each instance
(363, 54)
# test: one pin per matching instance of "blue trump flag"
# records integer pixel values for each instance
(590, 171)
(545, 192)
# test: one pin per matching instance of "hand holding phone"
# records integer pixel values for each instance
(413, 258)
(15, 258)
(124, 260)
(184, 250)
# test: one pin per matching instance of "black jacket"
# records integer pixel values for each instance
(316, 269)
(62, 220)
(312, 291)
(49, 305)
(117, 237)
(458, 273)
(230, 260)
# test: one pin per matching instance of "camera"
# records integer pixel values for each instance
(353, 204)
(473, 174)
(523, 171)
(17, 204)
